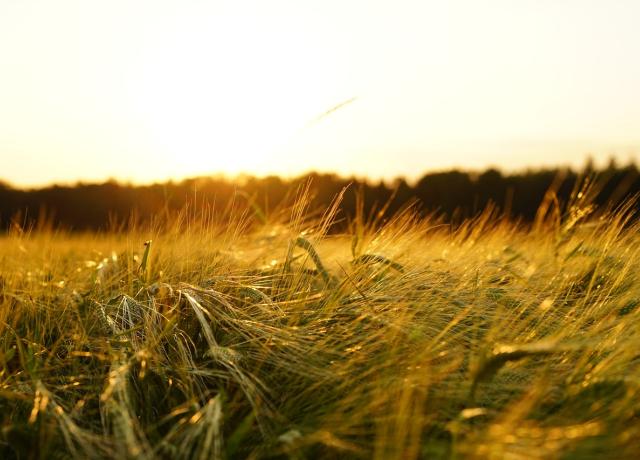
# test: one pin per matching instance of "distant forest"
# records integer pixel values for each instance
(453, 195)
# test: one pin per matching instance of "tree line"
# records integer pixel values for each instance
(454, 195)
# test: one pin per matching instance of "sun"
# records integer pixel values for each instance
(225, 97)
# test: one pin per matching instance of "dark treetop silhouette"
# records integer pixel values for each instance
(455, 195)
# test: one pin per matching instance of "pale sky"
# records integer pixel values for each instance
(150, 90)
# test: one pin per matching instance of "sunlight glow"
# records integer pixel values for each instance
(235, 105)
(152, 90)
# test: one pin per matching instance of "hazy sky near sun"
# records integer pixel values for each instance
(147, 90)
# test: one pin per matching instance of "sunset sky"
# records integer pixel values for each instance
(150, 90)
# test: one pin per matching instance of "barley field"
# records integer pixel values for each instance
(237, 334)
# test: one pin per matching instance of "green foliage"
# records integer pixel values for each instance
(489, 365)
(374, 258)
(238, 338)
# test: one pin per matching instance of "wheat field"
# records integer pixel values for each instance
(236, 334)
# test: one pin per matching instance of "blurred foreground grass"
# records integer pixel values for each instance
(252, 336)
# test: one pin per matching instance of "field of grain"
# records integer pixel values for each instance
(240, 335)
